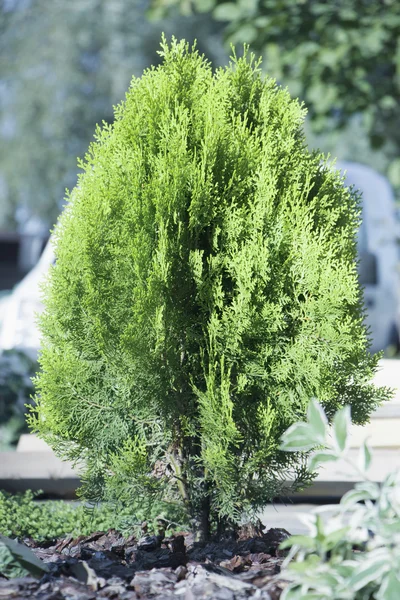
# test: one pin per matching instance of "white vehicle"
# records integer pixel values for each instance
(18, 310)
(379, 255)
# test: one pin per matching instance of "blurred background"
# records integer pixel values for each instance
(63, 65)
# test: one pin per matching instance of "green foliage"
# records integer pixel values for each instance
(64, 64)
(341, 58)
(9, 566)
(16, 560)
(16, 388)
(352, 551)
(205, 287)
(23, 515)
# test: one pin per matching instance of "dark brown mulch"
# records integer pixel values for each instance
(111, 566)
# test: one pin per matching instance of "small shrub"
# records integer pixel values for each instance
(205, 287)
(354, 554)
(24, 515)
(21, 515)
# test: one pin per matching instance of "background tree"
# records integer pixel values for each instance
(62, 67)
(342, 58)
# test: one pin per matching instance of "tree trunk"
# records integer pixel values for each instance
(201, 522)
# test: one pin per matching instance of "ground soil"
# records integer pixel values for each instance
(108, 565)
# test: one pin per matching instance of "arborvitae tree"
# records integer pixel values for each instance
(205, 288)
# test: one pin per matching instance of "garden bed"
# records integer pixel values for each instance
(108, 565)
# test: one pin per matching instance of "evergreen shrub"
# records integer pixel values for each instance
(24, 515)
(205, 287)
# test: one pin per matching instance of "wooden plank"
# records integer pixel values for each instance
(388, 374)
(34, 465)
(30, 442)
(20, 471)
(381, 433)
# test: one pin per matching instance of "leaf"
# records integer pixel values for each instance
(394, 172)
(353, 497)
(323, 581)
(205, 6)
(370, 569)
(341, 424)
(366, 490)
(244, 34)
(364, 457)
(292, 592)
(303, 541)
(305, 565)
(320, 527)
(9, 566)
(24, 558)
(336, 536)
(345, 568)
(390, 588)
(299, 437)
(390, 528)
(295, 592)
(321, 457)
(228, 11)
(317, 419)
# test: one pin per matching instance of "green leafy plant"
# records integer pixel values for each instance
(16, 560)
(354, 552)
(22, 515)
(205, 287)
(25, 515)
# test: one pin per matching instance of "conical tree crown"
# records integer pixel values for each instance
(205, 289)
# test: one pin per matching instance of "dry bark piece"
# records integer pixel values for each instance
(237, 564)
(149, 543)
(181, 572)
(63, 543)
(250, 530)
(275, 536)
(87, 575)
(76, 591)
(13, 587)
(260, 558)
(177, 544)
